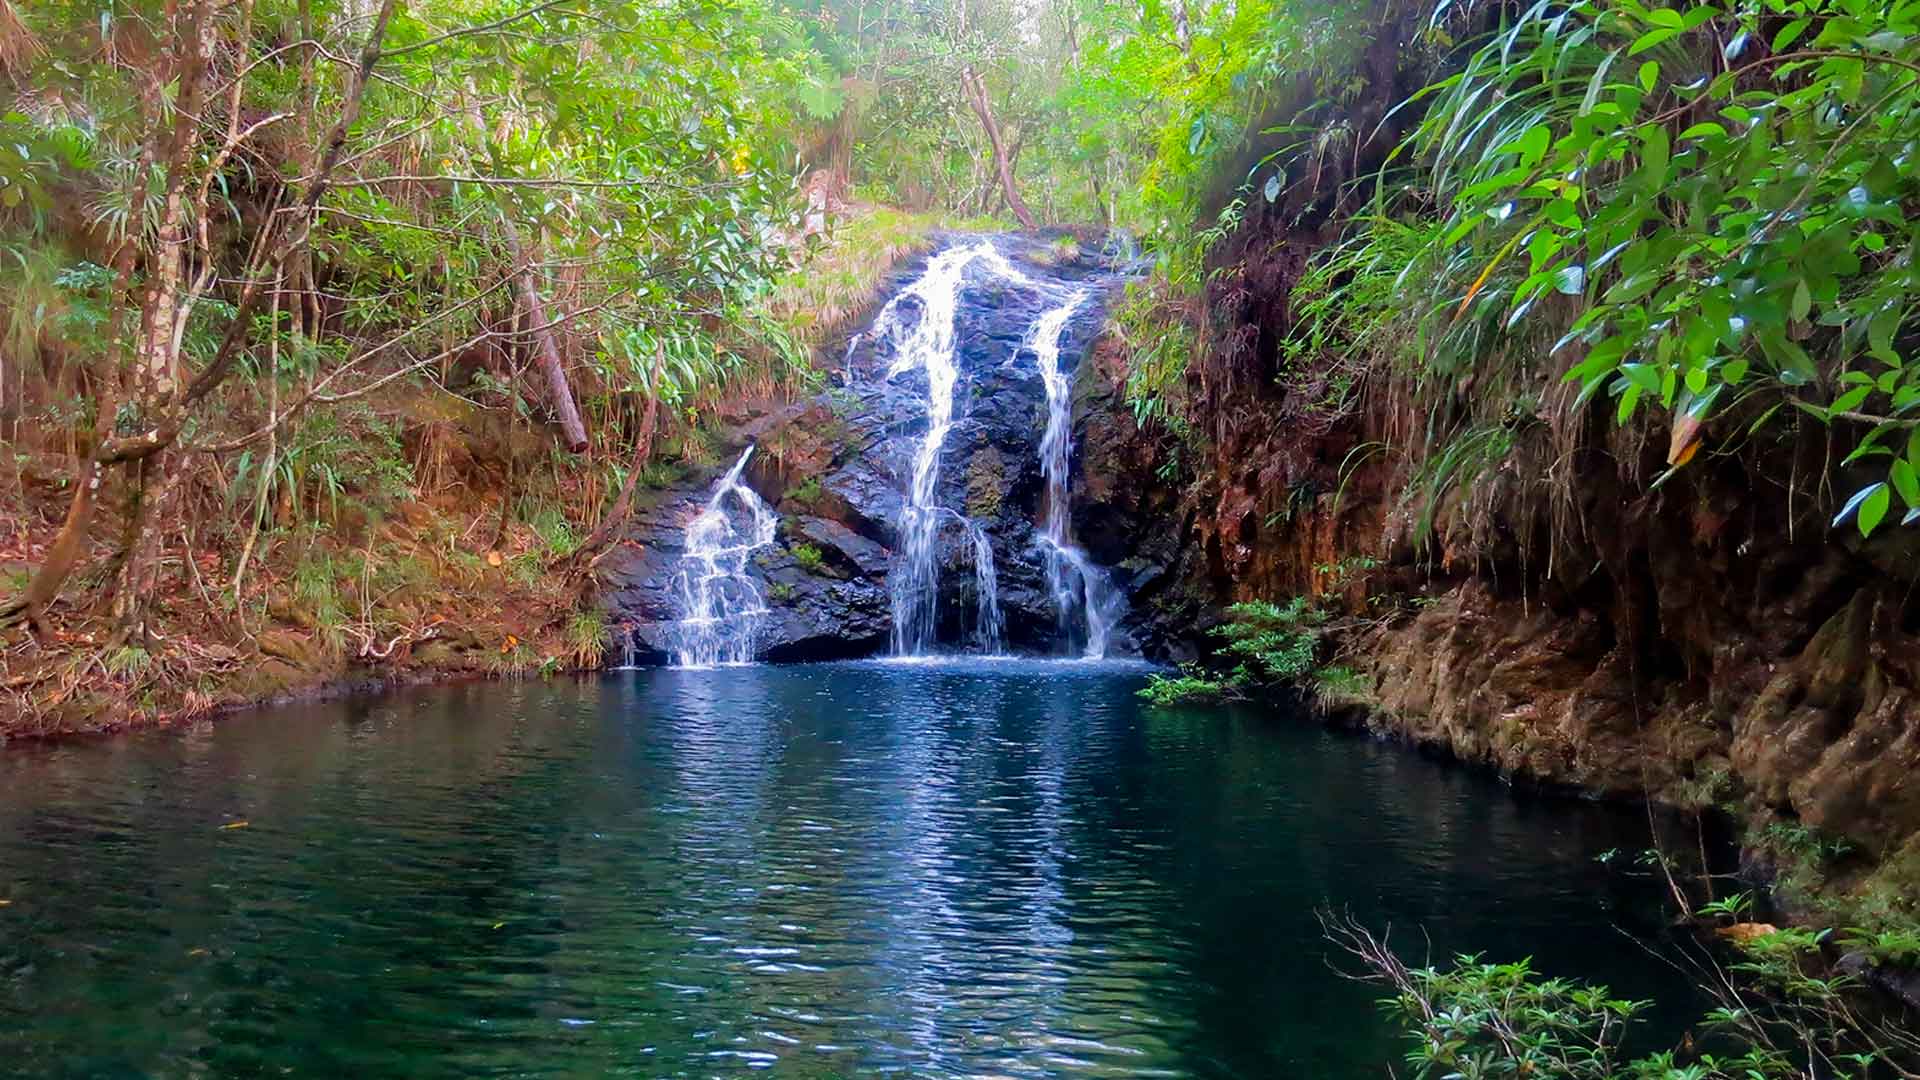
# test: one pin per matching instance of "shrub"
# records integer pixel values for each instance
(809, 558)
(1190, 686)
(1272, 643)
(806, 493)
(1781, 1015)
(1268, 644)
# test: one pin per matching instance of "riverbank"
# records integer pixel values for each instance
(428, 591)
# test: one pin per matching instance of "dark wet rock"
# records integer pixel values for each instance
(836, 468)
(1902, 983)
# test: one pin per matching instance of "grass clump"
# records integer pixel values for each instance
(809, 557)
(586, 638)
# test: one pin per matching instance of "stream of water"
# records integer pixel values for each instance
(931, 869)
(919, 322)
(720, 603)
(1087, 602)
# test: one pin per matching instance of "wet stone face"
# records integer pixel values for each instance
(827, 575)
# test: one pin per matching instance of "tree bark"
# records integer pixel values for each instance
(976, 91)
(545, 348)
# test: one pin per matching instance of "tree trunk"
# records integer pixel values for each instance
(545, 348)
(976, 91)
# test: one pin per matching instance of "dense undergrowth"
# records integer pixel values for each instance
(1782, 1008)
(1588, 281)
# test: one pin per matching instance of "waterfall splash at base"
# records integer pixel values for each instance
(1079, 587)
(720, 604)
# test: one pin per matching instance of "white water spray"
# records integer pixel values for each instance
(989, 627)
(1078, 586)
(721, 606)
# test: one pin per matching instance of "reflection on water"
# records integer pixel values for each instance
(998, 868)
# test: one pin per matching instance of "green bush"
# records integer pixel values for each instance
(1272, 643)
(809, 558)
(1783, 1013)
(1268, 644)
(1190, 686)
(806, 493)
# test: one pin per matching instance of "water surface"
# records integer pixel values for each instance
(984, 869)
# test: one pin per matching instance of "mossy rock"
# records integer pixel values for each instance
(986, 483)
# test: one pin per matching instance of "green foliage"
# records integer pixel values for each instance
(1272, 643)
(1266, 644)
(806, 493)
(1162, 344)
(1339, 687)
(1795, 840)
(1454, 467)
(128, 662)
(1735, 907)
(809, 557)
(587, 637)
(1717, 192)
(316, 589)
(1894, 947)
(554, 531)
(1782, 1017)
(347, 454)
(1192, 685)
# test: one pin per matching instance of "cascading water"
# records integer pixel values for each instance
(990, 627)
(1078, 586)
(919, 323)
(927, 343)
(720, 605)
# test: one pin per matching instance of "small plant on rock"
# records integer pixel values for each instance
(805, 494)
(809, 557)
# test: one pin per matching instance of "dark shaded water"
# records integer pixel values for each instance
(970, 870)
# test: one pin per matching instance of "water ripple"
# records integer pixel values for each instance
(962, 869)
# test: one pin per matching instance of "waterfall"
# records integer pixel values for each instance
(720, 605)
(919, 323)
(989, 627)
(928, 344)
(1078, 586)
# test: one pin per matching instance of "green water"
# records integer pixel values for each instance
(985, 869)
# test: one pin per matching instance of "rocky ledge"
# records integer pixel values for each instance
(836, 468)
